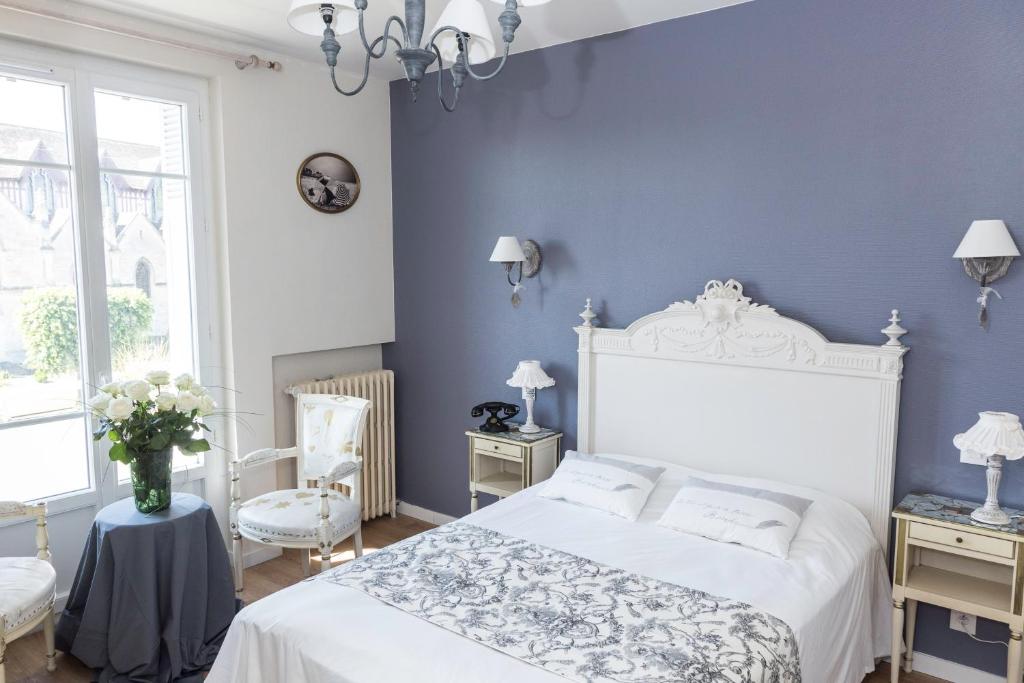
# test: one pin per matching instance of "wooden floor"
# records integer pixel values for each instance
(882, 676)
(26, 662)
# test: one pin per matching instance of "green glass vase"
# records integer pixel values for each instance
(151, 481)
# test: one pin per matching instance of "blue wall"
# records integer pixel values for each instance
(828, 154)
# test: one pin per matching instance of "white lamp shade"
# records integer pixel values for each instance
(985, 239)
(525, 3)
(304, 16)
(508, 250)
(530, 375)
(469, 17)
(993, 434)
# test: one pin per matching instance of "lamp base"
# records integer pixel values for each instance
(990, 512)
(993, 517)
(529, 427)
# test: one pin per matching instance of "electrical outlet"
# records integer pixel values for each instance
(959, 621)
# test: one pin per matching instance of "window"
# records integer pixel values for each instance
(98, 258)
(140, 146)
(143, 278)
(41, 380)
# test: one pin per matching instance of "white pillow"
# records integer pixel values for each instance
(757, 518)
(603, 482)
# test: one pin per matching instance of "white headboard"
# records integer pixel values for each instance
(729, 386)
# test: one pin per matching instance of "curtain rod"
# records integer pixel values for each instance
(240, 62)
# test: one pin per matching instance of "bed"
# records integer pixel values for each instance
(719, 387)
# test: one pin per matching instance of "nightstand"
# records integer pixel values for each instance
(945, 558)
(507, 462)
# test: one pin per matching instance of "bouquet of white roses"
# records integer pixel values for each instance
(152, 415)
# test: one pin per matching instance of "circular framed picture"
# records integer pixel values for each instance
(328, 182)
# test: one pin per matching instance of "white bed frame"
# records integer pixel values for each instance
(729, 386)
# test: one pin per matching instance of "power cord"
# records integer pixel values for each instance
(990, 642)
(964, 622)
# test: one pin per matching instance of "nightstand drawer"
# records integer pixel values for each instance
(508, 450)
(962, 539)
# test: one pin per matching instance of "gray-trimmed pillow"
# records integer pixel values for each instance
(757, 518)
(603, 482)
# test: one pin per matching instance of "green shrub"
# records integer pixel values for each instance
(131, 314)
(49, 326)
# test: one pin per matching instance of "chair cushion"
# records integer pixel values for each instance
(28, 587)
(293, 516)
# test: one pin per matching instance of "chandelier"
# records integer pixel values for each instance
(460, 39)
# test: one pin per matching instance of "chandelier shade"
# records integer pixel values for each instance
(470, 18)
(305, 17)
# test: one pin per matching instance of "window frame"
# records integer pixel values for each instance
(82, 75)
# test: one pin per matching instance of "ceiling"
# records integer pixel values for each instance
(262, 23)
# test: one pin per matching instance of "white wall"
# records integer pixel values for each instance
(300, 280)
(295, 280)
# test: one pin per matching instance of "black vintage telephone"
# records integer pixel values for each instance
(494, 423)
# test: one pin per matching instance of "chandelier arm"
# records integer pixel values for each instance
(369, 47)
(497, 70)
(366, 65)
(439, 31)
(469, 69)
(379, 40)
(440, 80)
(366, 76)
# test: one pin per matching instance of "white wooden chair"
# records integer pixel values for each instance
(28, 587)
(329, 431)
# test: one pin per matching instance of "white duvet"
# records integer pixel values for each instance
(833, 591)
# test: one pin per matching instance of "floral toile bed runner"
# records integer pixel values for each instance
(579, 619)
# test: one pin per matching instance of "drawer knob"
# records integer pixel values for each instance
(495, 446)
(959, 539)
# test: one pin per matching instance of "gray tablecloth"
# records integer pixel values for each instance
(153, 597)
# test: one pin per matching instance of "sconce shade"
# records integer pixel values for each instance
(530, 375)
(987, 239)
(468, 16)
(993, 434)
(304, 16)
(508, 250)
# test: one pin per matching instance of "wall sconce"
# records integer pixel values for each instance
(986, 251)
(509, 252)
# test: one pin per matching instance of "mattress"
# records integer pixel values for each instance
(833, 592)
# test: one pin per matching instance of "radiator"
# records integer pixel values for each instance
(378, 387)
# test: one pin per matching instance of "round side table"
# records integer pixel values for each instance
(153, 596)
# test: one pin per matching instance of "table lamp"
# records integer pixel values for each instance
(994, 438)
(530, 377)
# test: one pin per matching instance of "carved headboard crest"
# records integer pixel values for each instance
(723, 324)
(720, 302)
